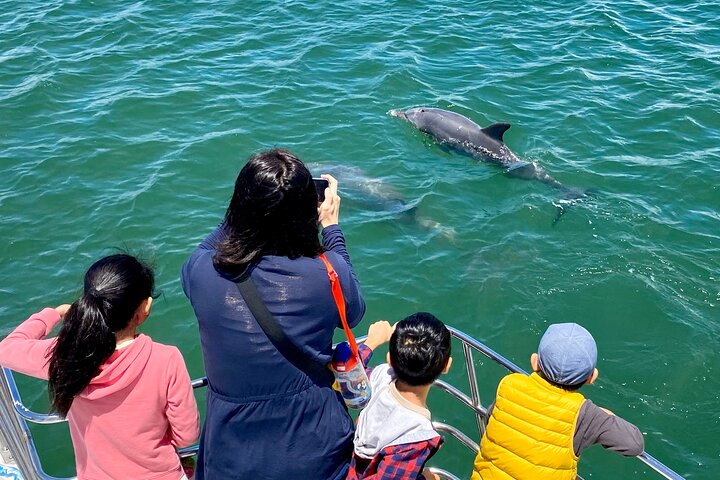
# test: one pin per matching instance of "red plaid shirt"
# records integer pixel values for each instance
(396, 462)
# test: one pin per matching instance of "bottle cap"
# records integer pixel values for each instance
(343, 359)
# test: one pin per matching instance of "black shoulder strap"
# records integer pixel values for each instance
(275, 334)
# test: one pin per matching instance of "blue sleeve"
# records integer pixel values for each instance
(334, 241)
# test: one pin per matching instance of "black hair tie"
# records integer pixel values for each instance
(93, 293)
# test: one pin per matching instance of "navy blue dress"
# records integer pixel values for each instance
(265, 418)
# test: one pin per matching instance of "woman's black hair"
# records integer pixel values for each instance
(419, 349)
(114, 287)
(273, 211)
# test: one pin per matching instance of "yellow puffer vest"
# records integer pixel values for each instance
(530, 433)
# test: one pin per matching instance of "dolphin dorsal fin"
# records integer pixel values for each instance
(496, 130)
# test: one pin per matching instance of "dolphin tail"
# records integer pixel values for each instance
(560, 210)
(436, 227)
(411, 214)
(572, 196)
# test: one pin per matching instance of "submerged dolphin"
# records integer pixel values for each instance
(378, 199)
(368, 194)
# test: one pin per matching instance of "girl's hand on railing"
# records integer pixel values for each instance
(62, 309)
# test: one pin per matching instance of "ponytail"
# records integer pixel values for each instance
(83, 344)
(114, 288)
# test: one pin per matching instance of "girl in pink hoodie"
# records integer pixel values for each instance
(128, 400)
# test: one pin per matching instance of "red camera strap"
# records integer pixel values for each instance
(340, 302)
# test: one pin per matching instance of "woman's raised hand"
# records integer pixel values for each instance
(329, 209)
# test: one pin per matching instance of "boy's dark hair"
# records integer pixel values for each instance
(419, 349)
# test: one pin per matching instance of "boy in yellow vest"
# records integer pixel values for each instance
(539, 425)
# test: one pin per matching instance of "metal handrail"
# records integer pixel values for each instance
(646, 458)
(30, 466)
(455, 432)
(17, 433)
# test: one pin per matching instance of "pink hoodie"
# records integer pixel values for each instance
(135, 412)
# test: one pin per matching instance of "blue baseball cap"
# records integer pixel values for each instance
(567, 354)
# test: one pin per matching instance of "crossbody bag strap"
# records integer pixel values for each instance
(339, 302)
(275, 333)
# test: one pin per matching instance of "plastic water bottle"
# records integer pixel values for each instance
(350, 376)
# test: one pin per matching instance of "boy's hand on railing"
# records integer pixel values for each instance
(379, 333)
(428, 475)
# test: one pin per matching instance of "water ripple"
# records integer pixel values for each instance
(124, 125)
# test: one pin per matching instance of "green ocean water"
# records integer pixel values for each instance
(124, 124)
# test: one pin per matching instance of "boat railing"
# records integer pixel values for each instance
(15, 434)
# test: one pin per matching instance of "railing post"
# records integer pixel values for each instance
(17, 416)
(12, 431)
(474, 391)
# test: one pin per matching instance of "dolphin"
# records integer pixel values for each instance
(369, 194)
(378, 199)
(486, 144)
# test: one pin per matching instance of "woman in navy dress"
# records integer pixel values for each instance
(265, 417)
